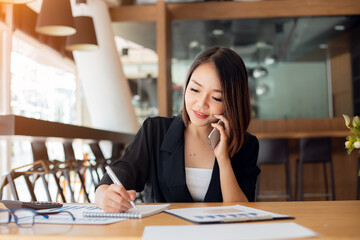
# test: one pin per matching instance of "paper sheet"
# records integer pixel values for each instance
(228, 231)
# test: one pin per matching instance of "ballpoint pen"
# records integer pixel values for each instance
(116, 181)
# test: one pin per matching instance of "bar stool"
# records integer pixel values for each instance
(100, 161)
(274, 152)
(39, 151)
(35, 170)
(79, 166)
(315, 151)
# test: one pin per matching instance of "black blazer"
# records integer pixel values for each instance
(155, 160)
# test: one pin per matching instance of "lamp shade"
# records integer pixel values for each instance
(55, 18)
(85, 37)
(16, 1)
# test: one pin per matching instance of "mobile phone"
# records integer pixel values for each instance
(214, 136)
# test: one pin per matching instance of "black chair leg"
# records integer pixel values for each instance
(97, 174)
(332, 181)
(12, 187)
(326, 181)
(288, 182)
(30, 188)
(296, 180)
(90, 170)
(301, 184)
(82, 181)
(67, 177)
(60, 189)
(46, 187)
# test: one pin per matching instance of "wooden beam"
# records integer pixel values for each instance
(134, 13)
(163, 48)
(17, 127)
(237, 10)
(263, 9)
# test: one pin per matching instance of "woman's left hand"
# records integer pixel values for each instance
(221, 150)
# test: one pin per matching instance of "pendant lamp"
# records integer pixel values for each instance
(85, 37)
(56, 18)
(16, 1)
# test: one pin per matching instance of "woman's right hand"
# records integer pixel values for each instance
(114, 198)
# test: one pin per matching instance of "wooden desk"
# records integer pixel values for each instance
(332, 220)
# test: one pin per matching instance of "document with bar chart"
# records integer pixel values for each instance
(235, 213)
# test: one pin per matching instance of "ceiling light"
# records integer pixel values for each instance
(16, 1)
(259, 72)
(193, 44)
(56, 18)
(339, 27)
(262, 89)
(323, 46)
(85, 37)
(218, 32)
(271, 59)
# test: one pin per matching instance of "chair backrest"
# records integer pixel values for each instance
(315, 150)
(273, 151)
(69, 151)
(95, 148)
(39, 151)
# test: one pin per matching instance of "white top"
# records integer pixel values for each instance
(197, 181)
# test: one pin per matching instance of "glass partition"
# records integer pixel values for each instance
(288, 60)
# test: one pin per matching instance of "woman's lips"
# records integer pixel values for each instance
(200, 114)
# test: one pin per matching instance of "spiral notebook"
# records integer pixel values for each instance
(141, 212)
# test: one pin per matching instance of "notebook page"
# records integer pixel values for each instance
(140, 212)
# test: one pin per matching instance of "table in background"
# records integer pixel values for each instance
(331, 219)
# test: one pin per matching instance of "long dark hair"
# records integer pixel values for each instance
(235, 91)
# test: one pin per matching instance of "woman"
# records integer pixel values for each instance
(172, 158)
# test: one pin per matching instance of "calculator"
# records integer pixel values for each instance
(37, 205)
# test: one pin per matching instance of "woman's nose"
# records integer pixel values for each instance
(202, 100)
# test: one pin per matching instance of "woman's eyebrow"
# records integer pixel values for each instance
(194, 81)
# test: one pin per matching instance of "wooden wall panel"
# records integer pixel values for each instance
(163, 48)
(340, 62)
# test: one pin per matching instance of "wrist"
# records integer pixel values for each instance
(224, 162)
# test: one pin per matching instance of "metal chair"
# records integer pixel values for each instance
(99, 161)
(315, 151)
(274, 152)
(78, 166)
(55, 167)
(29, 172)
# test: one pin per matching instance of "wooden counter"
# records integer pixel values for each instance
(17, 127)
(299, 128)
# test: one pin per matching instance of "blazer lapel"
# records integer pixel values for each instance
(214, 193)
(173, 164)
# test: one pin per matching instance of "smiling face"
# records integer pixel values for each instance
(203, 97)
